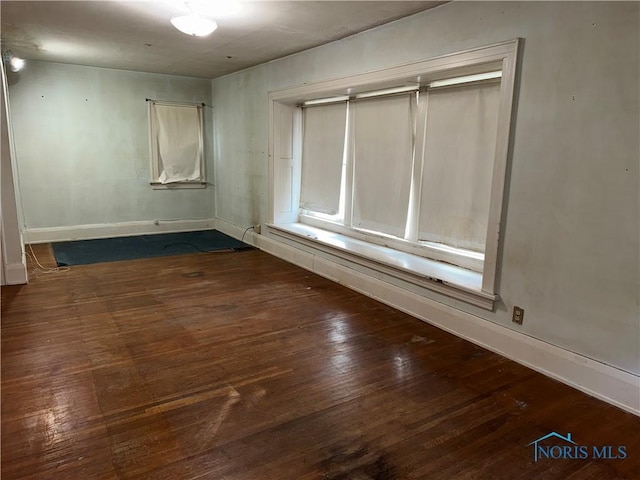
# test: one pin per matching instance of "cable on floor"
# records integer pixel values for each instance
(39, 267)
(245, 232)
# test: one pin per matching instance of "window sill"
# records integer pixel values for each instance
(467, 260)
(443, 278)
(177, 185)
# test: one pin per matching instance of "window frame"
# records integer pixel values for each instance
(285, 146)
(154, 158)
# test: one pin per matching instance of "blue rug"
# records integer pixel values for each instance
(83, 252)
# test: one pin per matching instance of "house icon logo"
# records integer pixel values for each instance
(537, 448)
(555, 446)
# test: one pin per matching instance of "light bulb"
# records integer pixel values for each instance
(195, 25)
(16, 64)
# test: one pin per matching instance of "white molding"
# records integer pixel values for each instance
(506, 127)
(236, 231)
(426, 249)
(15, 274)
(110, 230)
(455, 61)
(424, 273)
(462, 63)
(602, 381)
(177, 185)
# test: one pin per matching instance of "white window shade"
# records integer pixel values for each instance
(383, 150)
(177, 143)
(322, 157)
(461, 135)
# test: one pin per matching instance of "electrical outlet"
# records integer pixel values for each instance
(256, 229)
(518, 315)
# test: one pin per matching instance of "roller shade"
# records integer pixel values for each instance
(383, 150)
(461, 134)
(179, 142)
(322, 157)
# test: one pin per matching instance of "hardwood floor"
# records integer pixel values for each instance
(238, 365)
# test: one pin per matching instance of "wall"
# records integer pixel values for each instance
(572, 223)
(82, 147)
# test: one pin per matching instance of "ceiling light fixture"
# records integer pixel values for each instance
(15, 63)
(195, 25)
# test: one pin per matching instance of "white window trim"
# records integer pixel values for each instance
(153, 148)
(284, 171)
(177, 185)
(405, 268)
(465, 259)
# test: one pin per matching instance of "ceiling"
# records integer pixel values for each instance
(137, 35)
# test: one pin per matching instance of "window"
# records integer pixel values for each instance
(436, 196)
(177, 145)
(411, 159)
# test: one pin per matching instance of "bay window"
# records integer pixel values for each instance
(408, 160)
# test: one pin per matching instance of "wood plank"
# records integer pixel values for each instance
(237, 365)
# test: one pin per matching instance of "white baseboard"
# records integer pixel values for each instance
(15, 274)
(246, 234)
(607, 383)
(110, 230)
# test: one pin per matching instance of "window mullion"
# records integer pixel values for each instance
(349, 166)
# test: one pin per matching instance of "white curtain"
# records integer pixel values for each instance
(179, 142)
(383, 150)
(458, 164)
(322, 157)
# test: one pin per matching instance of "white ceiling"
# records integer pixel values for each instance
(137, 35)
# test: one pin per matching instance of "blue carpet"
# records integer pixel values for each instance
(83, 252)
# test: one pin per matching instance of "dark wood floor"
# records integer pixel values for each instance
(240, 366)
